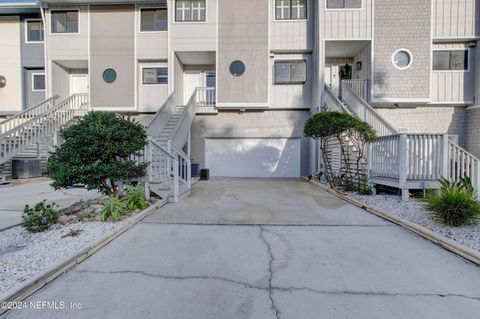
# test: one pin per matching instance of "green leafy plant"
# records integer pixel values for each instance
(455, 204)
(112, 206)
(135, 198)
(39, 217)
(97, 152)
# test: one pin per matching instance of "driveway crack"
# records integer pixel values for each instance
(270, 272)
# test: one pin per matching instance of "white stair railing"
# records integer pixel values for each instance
(206, 97)
(179, 134)
(360, 87)
(461, 163)
(22, 117)
(42, 126)
(365, 112)
(332, 103)
(162, 116)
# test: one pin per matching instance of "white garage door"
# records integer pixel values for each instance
(252, 157)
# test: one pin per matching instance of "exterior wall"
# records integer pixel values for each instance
(431, 119)
(194, 36)
(68, 46)
(292, 35)
(291, 95)
(112, 45)
(151, 96)
(262, 124)
(455, 19)
(402, 25)
(454, 86)
(60, 77)
(346, 23)
(239, 21)
(30, 97)
(178, 78)
(473, 136)
(363, 56)
(10, 65)
(150, 45)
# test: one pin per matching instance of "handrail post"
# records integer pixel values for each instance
(175, 180)
(445, 157)
(148, 153)
(402, 166)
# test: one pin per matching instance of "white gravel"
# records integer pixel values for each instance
(415, 212)
(24, 255)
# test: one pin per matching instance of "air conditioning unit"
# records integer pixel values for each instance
(26, 168)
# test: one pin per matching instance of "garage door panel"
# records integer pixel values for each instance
(276, 157)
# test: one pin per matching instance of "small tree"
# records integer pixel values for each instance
(97, 153)
(340, 127)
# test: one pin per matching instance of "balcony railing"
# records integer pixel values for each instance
(206, 100)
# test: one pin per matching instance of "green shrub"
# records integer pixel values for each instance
(112, 206)
(39, 217)
(455, 204)
(135, 198)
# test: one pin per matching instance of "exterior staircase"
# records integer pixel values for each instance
(404, 160)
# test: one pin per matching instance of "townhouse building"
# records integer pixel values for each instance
(256, 70)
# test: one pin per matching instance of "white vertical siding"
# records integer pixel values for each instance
(364, 56)
(10, 65)
(454, 18)
(453, 86)
(150, 45)
(346, 24)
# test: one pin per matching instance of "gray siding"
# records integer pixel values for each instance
(402, 25)
(31, 97)
(60, 78)
(473, 136)
(33, 54)
(243, 35)
(151, 45)
(112, 43)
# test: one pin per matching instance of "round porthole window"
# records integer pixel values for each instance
(237, 68)
(402, 59)
(109, 75)
(3, 81)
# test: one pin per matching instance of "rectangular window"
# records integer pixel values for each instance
(291, 72)
(155, 75)
(38, 82)
(344, 4)
(153, 19)
(190, 10)
(290, 9)
(450, 60)
(64, 21)
(34, 30)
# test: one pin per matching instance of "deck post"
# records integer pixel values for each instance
(476, 178)
(402, 166)
(445, 156)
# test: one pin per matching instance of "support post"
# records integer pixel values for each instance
(149, 157)
(402, 166)
(175, 180)
(445, 158)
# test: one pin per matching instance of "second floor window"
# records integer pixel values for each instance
(290, 9)
(450, 60)
(190, 10)
(34, 30)
(154, 19)
(64, 21)
(344, 4)
(157, 75)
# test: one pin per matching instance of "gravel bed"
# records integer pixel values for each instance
(24, 255)
(415, 212)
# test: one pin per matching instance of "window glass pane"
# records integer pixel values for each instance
(441, 60)
(333, 4)
(282, 9)
(34, 31)
(282, 72)
(182, 10)
(198, 10)
(161, 20)
(353, 4)
(162, 75)
(459, 60)
(59, 22)
(299, 9)
(39, 81)
(149, 76)
(147, 20)
(211, 80)
(72, 21)
(298, 72)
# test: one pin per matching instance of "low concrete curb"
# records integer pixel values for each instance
(451, 245)
(38, 282)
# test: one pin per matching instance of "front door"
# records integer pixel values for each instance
(192, 81)
(78, 83)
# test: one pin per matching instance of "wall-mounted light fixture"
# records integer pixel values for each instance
(472, 44)
(3, 81)
(359, 65)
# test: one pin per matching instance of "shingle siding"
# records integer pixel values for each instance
(473, 135)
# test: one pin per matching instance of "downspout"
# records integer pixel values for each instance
(45, 62)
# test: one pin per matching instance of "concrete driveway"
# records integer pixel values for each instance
(240, 248)
(13, 199)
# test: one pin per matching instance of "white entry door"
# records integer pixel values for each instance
(332, 78)
(192, 81)
(78, 83)
(253, 157)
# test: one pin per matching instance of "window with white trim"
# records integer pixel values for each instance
(34, 30)
(450, 60)
(38, 82)
(155, 75)
(290, 9)
(64, 21)
(190, 10)
(153, 20)
(344, 4)
(290, 72)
